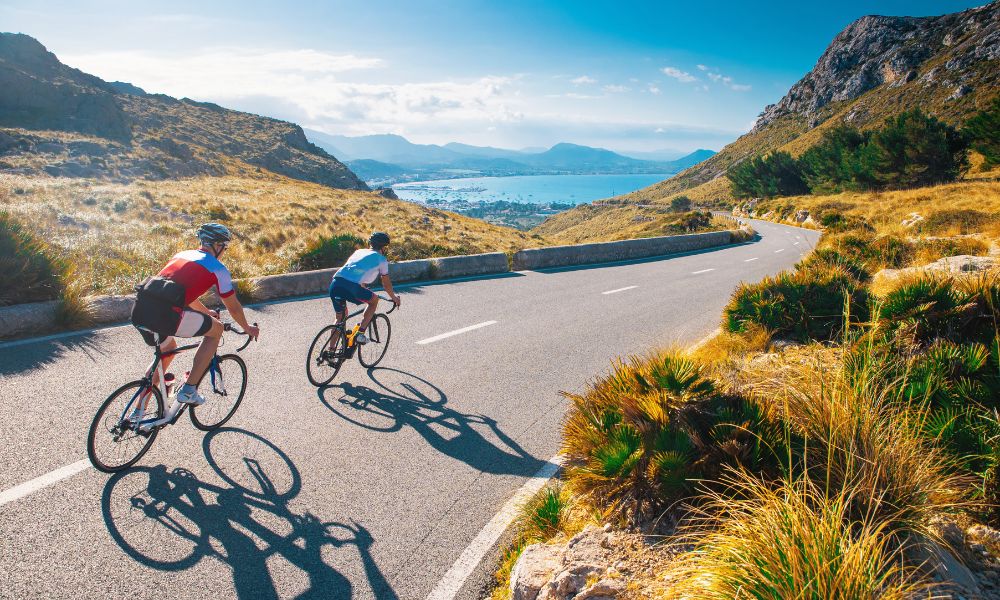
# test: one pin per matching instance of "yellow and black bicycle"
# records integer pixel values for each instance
(334, 345)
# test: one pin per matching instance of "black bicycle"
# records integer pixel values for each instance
(130, 418)
(330, 349)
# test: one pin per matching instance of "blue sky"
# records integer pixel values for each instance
(622, 75)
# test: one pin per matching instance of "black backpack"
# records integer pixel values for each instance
(158, 306)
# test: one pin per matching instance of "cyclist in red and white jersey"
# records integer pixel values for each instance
(197, 271)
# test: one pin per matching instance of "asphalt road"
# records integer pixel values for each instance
(370, 488)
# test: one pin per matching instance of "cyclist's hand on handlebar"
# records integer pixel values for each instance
(253, 331)
(395, 300)
(214, 314)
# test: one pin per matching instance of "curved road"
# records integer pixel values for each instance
(371, 488)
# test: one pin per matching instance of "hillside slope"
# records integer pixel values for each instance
(875, 68)
(62, 122)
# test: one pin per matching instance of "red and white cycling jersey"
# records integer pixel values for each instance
(198, 271)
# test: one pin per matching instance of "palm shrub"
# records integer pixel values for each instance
(924, 310)
(814, 303)
(636, 440)
(29, 269)
(326, 252)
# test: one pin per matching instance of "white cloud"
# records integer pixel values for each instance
(583, 80)
(307, 86)
(616, 89)
(682, 76)
(725, 80)
(702, 68)
(654, 90)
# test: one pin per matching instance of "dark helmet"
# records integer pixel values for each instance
(214, 233)
(379, 239)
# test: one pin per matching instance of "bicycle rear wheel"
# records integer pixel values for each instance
(227, 382)
(327, 354)
(378, 333)
(115, 444)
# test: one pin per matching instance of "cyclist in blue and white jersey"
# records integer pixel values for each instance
(350, 282)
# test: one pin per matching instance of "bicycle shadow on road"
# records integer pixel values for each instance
(35, 355)
(170, 520)
(397, 399)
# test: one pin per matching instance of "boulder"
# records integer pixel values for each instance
(580, 569)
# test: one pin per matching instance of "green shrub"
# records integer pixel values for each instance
(680, 204)
(923, 310)
(810, 304)
(983, 132)
(29, 269)
(328, 252)
(637, 441)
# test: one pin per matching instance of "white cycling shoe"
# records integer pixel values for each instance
(190, 396)
(360, 339)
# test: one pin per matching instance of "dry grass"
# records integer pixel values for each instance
(812, 547)
(114, 235)
(948, 210)
(590, 223)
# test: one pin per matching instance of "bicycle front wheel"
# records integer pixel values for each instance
(326, 355)
(116, 440)
(227, 382)
(379, 332)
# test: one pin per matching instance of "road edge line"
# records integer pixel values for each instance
(453, 580)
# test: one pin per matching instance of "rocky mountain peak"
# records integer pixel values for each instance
(878, 50)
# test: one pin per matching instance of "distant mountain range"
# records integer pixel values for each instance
(386, 159)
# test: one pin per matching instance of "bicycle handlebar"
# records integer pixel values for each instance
(394, 305)
(232, 328)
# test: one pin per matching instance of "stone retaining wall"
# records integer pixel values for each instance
(39, 317)
(584, 254)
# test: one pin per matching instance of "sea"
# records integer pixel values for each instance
(528, 189)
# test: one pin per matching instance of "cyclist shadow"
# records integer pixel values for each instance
(166, 520)
(398, 399)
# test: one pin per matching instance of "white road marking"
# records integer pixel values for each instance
(29, 487)
(457, 332)
(449, 585)
(750, 259)
(701, 271)
(631, 287)
(795, 244)
(777, 251)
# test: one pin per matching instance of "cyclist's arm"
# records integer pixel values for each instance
(236, 310)
(199, 306)
(387, 285)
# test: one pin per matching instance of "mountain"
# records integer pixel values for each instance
(393, 159)
(61, 121)
(665, 154)
(875, 68)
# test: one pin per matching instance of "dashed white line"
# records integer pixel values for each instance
(29, 487)
(750, 259)
(454, 579)
(457, 332)
(631, 287)
(781, 250)
(701, 271)
(795, 244)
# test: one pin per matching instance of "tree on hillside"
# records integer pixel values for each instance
(983, 133)
(832, 164)
(913, 149)
(777, 174)
(680, 204)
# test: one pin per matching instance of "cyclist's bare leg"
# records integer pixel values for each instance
(167, 346)
(369, 313)
(206, 350)
(341, 319)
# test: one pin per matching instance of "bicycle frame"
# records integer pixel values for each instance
(176, 409)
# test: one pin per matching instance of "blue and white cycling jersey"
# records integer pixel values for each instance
(363, 267)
